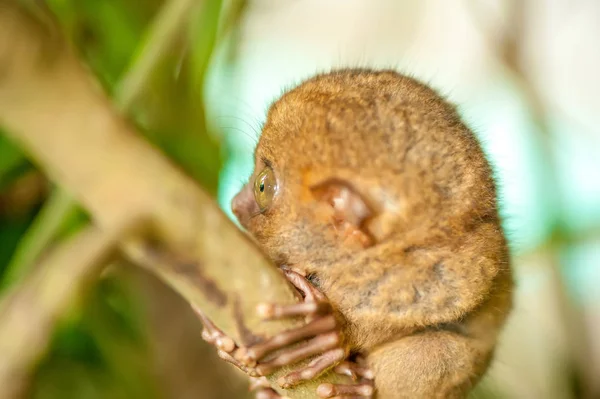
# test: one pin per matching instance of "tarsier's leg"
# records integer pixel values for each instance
(433, 364)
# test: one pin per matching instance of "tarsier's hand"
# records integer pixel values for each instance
(226, 348)
(323, 340)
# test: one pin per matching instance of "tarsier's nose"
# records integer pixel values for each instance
(237, 204)
(241, 204)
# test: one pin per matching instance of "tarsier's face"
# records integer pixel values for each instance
(297, 212)
(286, 217)
(346, 160)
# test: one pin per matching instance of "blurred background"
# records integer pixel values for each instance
(522, 72)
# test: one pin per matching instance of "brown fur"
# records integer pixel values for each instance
(426, 299)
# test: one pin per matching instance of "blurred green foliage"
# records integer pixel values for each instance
(12, 161)
(110, 36)
(100, 351)
(12, 164)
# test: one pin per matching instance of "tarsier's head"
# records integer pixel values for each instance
(350, 159)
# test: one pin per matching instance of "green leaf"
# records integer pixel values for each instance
(11, 159)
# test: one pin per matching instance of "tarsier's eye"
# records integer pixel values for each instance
(265, 188)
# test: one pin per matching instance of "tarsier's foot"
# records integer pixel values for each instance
(226, 348)
(363, 382)
(324, 340)
(224, 344)
(322, 334)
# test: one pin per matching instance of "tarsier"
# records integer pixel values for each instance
(378, 204)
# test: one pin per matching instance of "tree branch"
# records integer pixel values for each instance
(50, 105)
(168, 26)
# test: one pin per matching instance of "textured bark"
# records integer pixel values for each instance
(51, 105)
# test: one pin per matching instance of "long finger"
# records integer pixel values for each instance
(304, 286)
(268, 311)
(320, 344)
(353, 370)
(313, 369)
(213, 335)
(280, 341)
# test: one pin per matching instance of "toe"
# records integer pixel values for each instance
(313, 369)
(331, 390)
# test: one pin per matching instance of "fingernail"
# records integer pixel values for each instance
(366, 390)
(226, 344)
(264, 310)
(325, 390)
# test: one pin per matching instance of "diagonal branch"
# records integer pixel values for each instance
(168, 26)
(52, 107)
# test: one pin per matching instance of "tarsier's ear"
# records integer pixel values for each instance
(349, 212)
